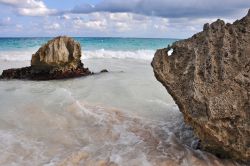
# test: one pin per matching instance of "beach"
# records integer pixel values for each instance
(123, 117)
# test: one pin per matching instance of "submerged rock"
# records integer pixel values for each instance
(59, 58)
(208, 76)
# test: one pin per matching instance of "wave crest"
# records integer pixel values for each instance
(137, 54)
(88, 54)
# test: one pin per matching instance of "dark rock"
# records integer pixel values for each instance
(21, 73)
(206, 27)
(208, 76)
(104, 71)
(58, 59)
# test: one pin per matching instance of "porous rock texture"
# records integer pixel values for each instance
(208, 76)
(59, 58)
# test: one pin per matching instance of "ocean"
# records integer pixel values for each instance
(20, 49)
(124, 117)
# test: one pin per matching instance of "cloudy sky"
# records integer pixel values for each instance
(114, 18)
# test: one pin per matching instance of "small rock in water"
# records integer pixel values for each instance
(104, 71)
(58, 59)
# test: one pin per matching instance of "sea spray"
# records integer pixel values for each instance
(87, 54)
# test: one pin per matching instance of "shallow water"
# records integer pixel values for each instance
(124, 117)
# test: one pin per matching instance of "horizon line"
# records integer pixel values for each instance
(91, 37)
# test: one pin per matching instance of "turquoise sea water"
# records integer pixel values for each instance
(124, 44)
(21, 49)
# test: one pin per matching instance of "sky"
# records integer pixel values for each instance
(114, 18)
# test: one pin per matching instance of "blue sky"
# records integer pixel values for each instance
(114, 18)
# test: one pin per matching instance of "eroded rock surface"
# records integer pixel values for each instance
(59, 58)
(208, 75)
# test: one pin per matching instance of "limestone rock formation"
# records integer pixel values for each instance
(59, 58)
(62, 51)
(208, 76)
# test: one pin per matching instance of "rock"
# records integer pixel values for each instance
(21, 73)
(104, 71)
(59, 58)
(208, 76)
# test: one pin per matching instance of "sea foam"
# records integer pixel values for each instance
(86, 54)
(102, 53)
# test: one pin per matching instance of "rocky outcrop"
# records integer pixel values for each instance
(208, 76)
(59, 58)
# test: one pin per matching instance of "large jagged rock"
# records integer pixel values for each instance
(59, 58)
(208, 76)
(61, 51)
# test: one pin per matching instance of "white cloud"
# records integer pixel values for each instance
(122, 26)
(91, 24)
(29, 7)
(103, 21)
(39, 11)
(64, 17)
(118, 23)
(121, 16)
(53, 26)
(162, 24)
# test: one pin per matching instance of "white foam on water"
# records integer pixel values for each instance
(86, 54)
(17, 55)
(16, 149)
(102, 53)
(79, 105)
(94, 121)
(98, 136)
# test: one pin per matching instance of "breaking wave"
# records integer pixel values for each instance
(87, 54)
